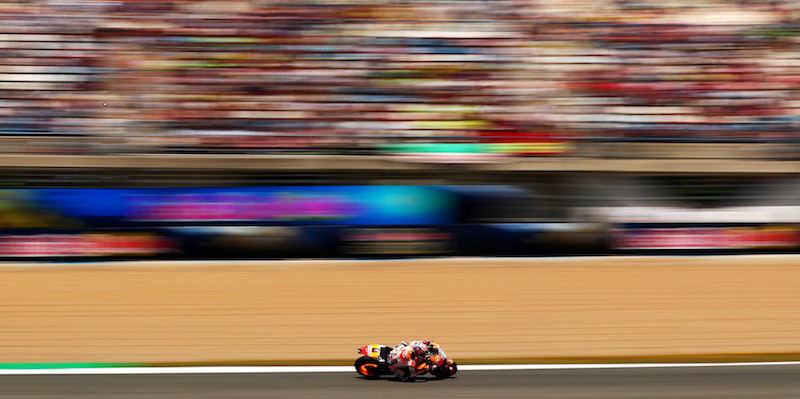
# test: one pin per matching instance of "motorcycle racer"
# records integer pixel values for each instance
(436, 356)
(406, 361)
(406, 356)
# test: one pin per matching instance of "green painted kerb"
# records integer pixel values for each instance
(32, 366)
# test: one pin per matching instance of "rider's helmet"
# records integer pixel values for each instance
(419, 350)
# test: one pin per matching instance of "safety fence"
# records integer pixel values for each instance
(438, 149)
(308, 242)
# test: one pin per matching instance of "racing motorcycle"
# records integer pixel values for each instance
(375, 361)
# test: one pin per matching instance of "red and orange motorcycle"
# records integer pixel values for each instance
(375, 362)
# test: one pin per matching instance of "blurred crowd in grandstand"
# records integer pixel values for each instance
(350, 76)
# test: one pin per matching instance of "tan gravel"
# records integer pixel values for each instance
(323, 310)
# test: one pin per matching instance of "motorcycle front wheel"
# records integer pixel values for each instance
(446, 370)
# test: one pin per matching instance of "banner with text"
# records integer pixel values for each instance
(706, 237)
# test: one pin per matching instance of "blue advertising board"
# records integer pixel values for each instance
(291, 205)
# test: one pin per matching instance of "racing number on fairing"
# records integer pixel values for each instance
(374, 351)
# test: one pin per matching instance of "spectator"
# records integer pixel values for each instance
(342, 77)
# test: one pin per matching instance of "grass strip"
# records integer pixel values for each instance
(32, 366)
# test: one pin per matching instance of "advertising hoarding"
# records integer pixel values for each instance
(86, 244)
(302, 205)
(688, 237)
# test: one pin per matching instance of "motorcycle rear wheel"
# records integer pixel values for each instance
(368, 367)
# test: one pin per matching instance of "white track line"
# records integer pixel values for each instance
(349, 369)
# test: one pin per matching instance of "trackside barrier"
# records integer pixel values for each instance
(367, 241)
(757, 237)
(276, 242)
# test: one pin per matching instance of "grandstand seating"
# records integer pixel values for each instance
(354, 77)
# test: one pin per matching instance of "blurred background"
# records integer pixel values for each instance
(274, 129)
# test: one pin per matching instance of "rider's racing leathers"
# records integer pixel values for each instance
(406, 356)
(436, 355)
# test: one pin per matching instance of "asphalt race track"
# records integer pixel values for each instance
(750, 382)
